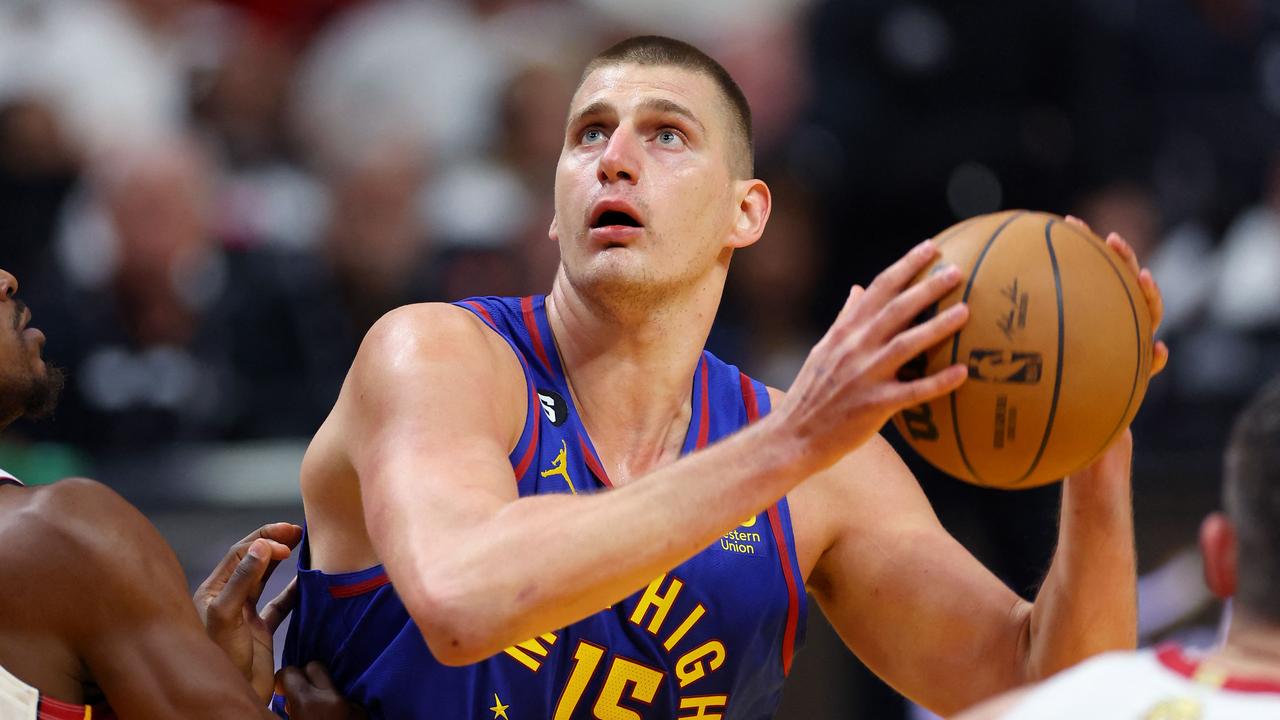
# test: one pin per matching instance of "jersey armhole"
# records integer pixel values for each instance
(521, 456)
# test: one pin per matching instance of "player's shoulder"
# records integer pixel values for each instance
(80, 530)
(428, 332)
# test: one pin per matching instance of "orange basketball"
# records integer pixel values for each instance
(1058, 346)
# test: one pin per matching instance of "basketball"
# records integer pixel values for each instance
(1058, 346)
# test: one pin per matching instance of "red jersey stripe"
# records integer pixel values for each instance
(793, 591)
(531, 324)
(359, 588)
(594, 463)
(704, 409)
(749, 398)
(1172, 657)
(483, 313)
(535, 407)
(780, 540)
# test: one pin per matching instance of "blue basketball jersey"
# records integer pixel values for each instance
(713, 638)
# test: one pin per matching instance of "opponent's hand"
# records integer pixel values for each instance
(309, 695)
(848, 386)
(1150, 292)
(227, 602)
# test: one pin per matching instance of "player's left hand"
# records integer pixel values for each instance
(227, 602)
(1150, 291)
(309, 695)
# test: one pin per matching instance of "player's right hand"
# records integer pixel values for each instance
(849, 386)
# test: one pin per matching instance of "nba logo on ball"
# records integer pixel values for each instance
(1058, 347)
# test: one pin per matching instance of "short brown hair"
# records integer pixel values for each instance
(1251, 494)
(658, 50)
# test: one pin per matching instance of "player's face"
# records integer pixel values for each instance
(27, 385)
(644, 190)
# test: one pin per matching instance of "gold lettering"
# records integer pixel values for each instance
(520, 651)
(644, 682)
(661, 603)
(685, 627)
(691, 666)
(701, 705)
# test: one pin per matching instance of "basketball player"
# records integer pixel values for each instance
(651, 554)
(1240, 679)
(94, 607)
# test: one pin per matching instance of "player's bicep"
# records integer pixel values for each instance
(133, 625)
(434, 404)
(912, 602)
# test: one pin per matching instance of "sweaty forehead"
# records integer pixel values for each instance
(626, 85)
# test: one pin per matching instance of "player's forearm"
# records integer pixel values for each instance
(1088, 603)
(541, 563)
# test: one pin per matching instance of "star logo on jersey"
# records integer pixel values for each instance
(499, 710)
(560, 466)
(553, 406)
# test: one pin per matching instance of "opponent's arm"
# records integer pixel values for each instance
(129, 618)
(931, 620)
(427, 417)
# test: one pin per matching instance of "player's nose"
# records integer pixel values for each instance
(8, 284)
(620, 161)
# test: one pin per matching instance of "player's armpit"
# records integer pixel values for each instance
(122, 603)
(905, 596)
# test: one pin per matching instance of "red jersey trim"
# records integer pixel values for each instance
(594, 463)
(1173, 658)
(50, 709)
(359, 588)
(531, 324)
(483, 313)
(535, 408)
(704, 407)
(780, 540)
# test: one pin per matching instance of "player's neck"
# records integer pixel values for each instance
(631, 374)
(1252, 648)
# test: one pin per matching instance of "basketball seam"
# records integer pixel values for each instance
(1057, 372)
(955, 342)
(1137, 331)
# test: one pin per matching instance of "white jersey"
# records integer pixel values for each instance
(18, 700)
(1163, 684)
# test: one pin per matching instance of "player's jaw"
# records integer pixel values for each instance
(28, 386)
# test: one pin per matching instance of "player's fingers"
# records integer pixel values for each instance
(890, 282)
(318, 676)
(1125, 251)
(224, 609)
(850, 306)
(914, 300)
(1077, 222)
(1155, 299)
(910, 394)
(915, 340)
(1160, 358)
(293, 685)
(280, 606)
(287, 534)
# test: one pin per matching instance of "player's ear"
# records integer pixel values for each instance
(1218, 549)
(752, 213)
(553, 232)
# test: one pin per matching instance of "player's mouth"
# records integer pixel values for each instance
(614, 223)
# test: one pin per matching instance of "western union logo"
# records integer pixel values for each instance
(740, 540)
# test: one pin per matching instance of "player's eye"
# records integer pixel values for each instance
(591, 136)
(670, 138)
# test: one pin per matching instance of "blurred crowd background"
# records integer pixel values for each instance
(207, 203)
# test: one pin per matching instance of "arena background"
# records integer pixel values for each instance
(207, 203)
